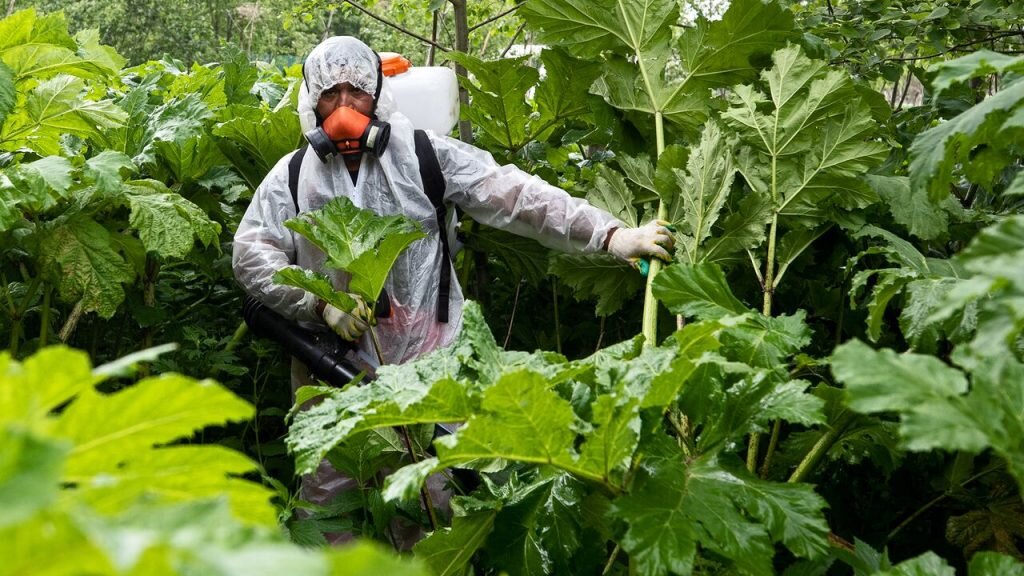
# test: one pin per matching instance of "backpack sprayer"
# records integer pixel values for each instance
(428, 96)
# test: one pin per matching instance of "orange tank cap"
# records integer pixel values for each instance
(393, 63)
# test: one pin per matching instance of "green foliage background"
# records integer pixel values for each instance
(841, 386)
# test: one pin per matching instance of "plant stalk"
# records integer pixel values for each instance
(820, 448)
(71, 322)
(650, 319)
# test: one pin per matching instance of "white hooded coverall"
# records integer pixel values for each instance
(504, 197)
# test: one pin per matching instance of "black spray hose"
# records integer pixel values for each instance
(321, 352)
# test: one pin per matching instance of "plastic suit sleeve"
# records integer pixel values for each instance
(508, 198)
(263, 246)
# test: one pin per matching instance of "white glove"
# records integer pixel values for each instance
(348, 325)
(651, 239)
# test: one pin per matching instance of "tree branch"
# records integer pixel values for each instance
(395, 26)
(953, 48)
(497, 17)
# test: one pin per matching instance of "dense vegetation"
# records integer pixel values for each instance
(829, 374)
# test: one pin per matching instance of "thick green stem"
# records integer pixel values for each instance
(650, 320)
(820, 448)
(237, 337)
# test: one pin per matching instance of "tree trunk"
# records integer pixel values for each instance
(462, 45)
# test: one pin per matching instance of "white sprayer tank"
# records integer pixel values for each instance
(427, 95)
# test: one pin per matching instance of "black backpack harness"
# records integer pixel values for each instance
(433, 187)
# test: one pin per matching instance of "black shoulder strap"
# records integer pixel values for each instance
(433, 187)
(293, 174)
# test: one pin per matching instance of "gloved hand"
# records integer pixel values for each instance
(349, 325)
(651, 239)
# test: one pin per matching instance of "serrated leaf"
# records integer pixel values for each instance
(700, 193)
(358, 241)
(54, 108)
(694, 340)
(180, 474)
(597, 276)
(698, 290)
(255, 139)
(609, 449)
(109, 429)
(638, 37)
(911, 206)
(537, 530)
(79, 256)
(677, 506)
(448, 551)
(104, 170)
(42, 382)
(167, 223)
(808, 139)
(315, 283)
(936, 151)
(974, 65)
(610, 193)
(499, 105)
(744, 229)
(928, 395)
(520, 418)
(790, 402)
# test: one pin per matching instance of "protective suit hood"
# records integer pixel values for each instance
(342, 59)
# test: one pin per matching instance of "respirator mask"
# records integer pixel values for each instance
(349, 132)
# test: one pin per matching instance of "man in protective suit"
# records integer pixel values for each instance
(342, 81)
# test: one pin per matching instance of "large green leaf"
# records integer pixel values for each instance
(807, 142)
(636, 38)
(936, 152)
(255, 139)
(80, 257)
(699, 290)
(358, 241)
(597, 276)
(520, 418)
(29, 473)
(54, 108)
(932, 399)
(700, 193)
(316, 283)
(36, 187)
(448, 550)
(167, 223)
(108, 430)
(41, 383)
(676, 507)
(499, 105)
(538, 528)
(609, 192)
